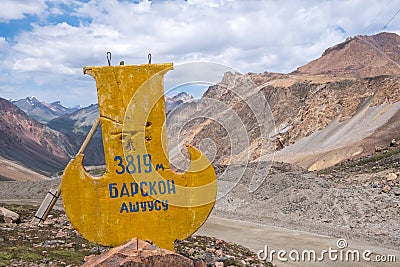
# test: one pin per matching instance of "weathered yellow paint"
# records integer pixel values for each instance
(132, 115)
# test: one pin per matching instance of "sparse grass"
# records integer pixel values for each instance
(371, 163)
(377, 157)
(5, 258)
(25, 245)
(70, 255)
(19, 253)
(29, 256)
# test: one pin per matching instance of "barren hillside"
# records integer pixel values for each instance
(11, 170)
(312, 119)
(29, 142)
(359, 56)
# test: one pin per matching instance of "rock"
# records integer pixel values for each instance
(212, 250)
(394, 143)
(89, 258)
(380, 149)
(138, 253)
(397, 193)
(375, 184)
(386, 189)
(191, 251)
(9, 216)
(61, 234)
(219, 253)
(53, 243)
(201, 264)
(391, 177)
(218, 241)
(219, 264)
(70, 245)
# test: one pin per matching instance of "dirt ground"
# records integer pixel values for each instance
(56, 243)
(10, 170)
(357, 200)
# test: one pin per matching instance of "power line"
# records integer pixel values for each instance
(390, 20)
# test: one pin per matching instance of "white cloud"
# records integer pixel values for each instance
(3, 44)
(12, 9)
(254, 36)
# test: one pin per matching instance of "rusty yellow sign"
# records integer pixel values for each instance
(139, 195)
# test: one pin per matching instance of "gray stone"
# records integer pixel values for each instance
(391, 177)
(9, 216)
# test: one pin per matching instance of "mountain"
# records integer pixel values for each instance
(315, 117)
(42, 111)
(359, 56)
(31, 143)
(342, 106)
(76, 126)
(173, 102)
(79, 121)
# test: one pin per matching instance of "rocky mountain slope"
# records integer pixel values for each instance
(359, 56)
(339, 120)
(315, 118)
(76, 126)
(31, 143)
(174, 101)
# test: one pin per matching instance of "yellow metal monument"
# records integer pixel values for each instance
(138, 195)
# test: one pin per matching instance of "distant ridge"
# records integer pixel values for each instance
(78, 122)
(42, 111)
(173, 102)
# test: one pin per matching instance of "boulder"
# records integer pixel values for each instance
(394, 143)
(380, 149)
(138, 253)
(391, 177)
(201, 263)
(386, 189)
(9, 216)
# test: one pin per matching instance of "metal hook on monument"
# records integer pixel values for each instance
(109, 58)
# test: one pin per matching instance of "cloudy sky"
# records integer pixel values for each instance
(45, 44)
